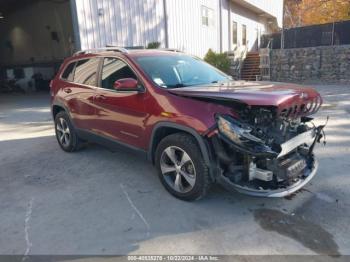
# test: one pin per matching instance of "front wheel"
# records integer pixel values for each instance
(181, 167)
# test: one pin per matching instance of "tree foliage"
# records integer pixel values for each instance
(153, 45)
(311, 12)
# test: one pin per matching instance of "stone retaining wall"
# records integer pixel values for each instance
(330, 64)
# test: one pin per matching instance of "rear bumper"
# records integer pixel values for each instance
(309, 173)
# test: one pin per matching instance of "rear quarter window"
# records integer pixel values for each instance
(86, 72)
(68, 73)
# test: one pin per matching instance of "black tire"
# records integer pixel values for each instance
(188, 144)
(74, 143)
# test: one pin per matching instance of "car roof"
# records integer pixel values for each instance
(133, 53)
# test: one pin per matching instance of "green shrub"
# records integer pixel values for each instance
(219, 60)
(153, 45)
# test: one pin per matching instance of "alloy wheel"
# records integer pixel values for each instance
(63, 132)
(178, 169)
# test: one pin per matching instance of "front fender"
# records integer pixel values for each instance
(203, 144)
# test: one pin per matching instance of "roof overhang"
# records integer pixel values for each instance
(272, 20)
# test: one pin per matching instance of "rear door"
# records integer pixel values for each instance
(80, 93)
(120, 114)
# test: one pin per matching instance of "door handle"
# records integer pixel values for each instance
(67, 90)
(101, 97)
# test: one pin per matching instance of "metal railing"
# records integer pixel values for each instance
(265, 62)
(101, 49)
(237, 57)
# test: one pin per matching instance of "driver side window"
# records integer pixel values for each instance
(114, 69)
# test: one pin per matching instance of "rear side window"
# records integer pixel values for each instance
(86, 71)
(68, 72)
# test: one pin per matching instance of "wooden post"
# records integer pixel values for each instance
(282, 34)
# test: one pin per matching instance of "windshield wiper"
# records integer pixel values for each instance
(220, 81)
(176, 86)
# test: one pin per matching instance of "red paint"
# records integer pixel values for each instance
(126, 84)
(251, 93)
(280, 95)
(130, 116)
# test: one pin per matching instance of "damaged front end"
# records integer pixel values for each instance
(265, 153)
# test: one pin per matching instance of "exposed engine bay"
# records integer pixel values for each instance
(265, 146)
(265, 154)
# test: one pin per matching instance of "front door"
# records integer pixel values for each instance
(120, 114)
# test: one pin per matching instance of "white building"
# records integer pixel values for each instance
(36, 35)
(192, 26)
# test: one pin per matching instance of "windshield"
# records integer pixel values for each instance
(176, 71)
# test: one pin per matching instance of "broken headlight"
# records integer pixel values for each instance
(239, 136)
(234, 131)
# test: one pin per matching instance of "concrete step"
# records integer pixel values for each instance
(253, 54)
(250, 70)
(251, 66)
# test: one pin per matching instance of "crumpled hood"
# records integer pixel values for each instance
(290, 99)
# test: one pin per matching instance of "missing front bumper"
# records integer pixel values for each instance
(309, 173)
(307, 137)
(251, 167)
(240, 137)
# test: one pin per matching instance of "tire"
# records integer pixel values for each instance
(70, 141)
(189, 178)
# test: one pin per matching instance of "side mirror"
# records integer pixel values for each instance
(126, 84)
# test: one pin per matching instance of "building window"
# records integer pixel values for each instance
(234, 33)
(244, 35)
(207, 16)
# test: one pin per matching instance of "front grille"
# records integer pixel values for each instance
(306, 108)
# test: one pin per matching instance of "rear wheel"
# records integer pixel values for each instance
(181, 167)
(65, 133)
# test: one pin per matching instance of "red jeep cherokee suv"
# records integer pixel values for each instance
(194, 122)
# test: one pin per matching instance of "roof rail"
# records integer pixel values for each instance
(100, 49)
(121, 50)
(171, 50)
